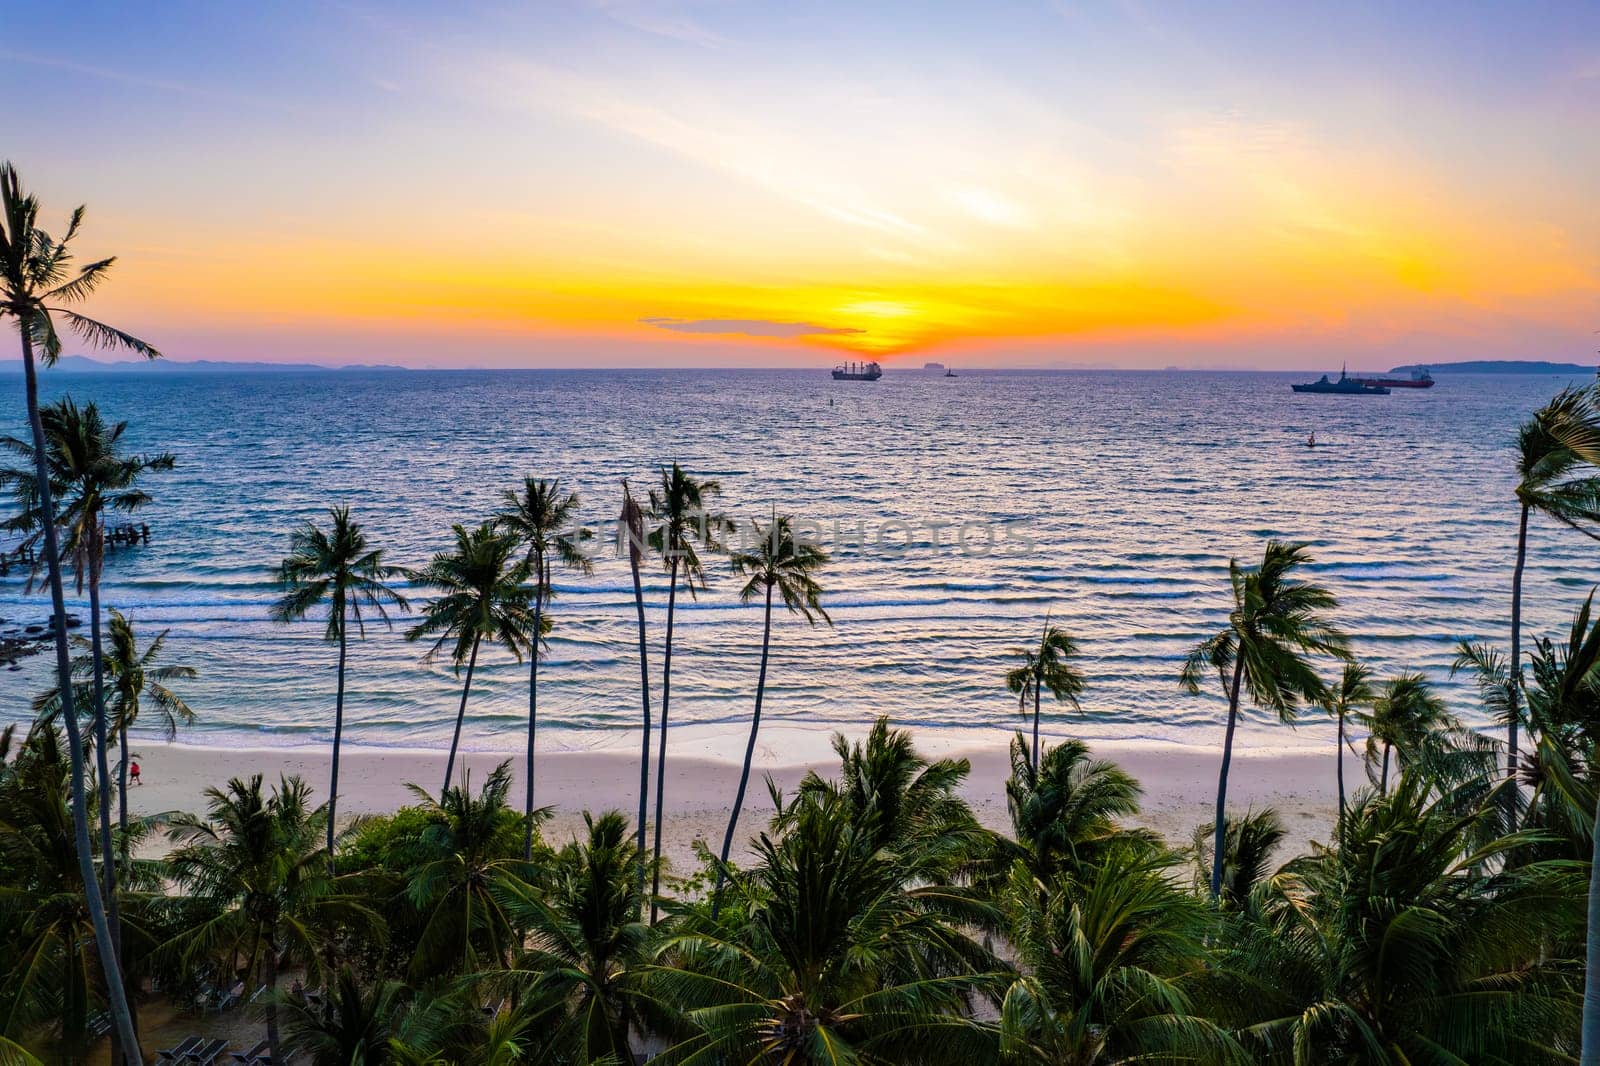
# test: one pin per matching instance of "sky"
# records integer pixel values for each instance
(707, 182)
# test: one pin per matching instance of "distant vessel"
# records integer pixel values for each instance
(857, 372)
(1419, 379)
(950, 373)
(1345, 386)
(933, 366)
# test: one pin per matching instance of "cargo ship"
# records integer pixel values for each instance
(1345, 386)
(1419, 379)
(857, 372)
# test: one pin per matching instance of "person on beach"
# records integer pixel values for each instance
(133, 773)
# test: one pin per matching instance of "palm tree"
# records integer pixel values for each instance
(134, 676)
(482, 596)
(255, 864)
(541, 518)
(90, 475)
(580, 977)
(1353, 692)
(836, 961)
(631, 536)
(1046, 667)
(1276, 619)
(335, 566)
(1407, 717)
(680, 521)
(472, 860)
(1250, 842)
(785, 564)
(1108, 962)
(1559, 441)
(37, 280)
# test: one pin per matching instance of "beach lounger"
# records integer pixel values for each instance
(245, 1058)
(266, 1060)
(207, 1055)
(179, 1051)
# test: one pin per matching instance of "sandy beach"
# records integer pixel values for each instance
(703, 770)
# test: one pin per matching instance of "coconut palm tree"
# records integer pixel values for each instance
(1557, 449)
(541, 518)
(1276, 620)
(472, 860)
(1047, 666)
(256, 865)
(134, 676)
(1250, 843)
(482, 596)
(1109, 959)
(1353, 692)
(1407, 716)
(39, 278)
(336, 566)
(835, 961)
(682, 526)
(580, 977)
(787, 565)
(633, 538)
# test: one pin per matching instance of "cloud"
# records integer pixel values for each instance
(750, 327)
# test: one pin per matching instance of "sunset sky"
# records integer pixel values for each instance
(712, 183)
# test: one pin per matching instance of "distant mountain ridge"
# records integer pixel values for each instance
(82, 364)
(1497, 366)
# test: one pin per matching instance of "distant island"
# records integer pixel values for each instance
(933, 366)
(82, 364)
(1497, 366)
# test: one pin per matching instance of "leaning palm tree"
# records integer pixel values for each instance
(335, 566)
(134, 677)
(787, 565)
(38, 279)
(482, 596)
(632, 538)
(541, 518)
(1409, 718)
(1353, 692)
(1047, 666)
(1556, 450)
(1276, 620)
(682, 528)
(90, 475)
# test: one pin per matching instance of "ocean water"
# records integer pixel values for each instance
(961, 512)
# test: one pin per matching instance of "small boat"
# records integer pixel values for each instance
(1345, 386)
(1419, 379)
(857, 372)
(949, 373)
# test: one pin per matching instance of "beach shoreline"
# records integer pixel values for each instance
(1179, 781)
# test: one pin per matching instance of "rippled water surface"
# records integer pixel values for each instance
(1132, 488)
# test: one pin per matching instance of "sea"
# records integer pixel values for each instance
(960, 515)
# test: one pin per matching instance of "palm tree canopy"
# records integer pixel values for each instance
(39, 277)
(783, 562)
(1561, 438)
(133, 676)
(1048, 668)
(483, 595)
(90, 475)
(336, 566)
(543, 518)
(1353, 691)
(684, 524)
(1064, 814)
(1277, 618)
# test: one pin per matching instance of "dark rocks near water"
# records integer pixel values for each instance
(18, 641)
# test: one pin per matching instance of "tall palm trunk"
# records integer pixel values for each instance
(1338, 764)
(1516, 659)
(109, 964)
(661, 750)
(122, 790)
(1383, 778)
(1220, 836)
(102, 734)
(749, 754)
(338, 735)
(533, 711)
(1036, 683)
(269, 976)
(1589, 1042)
(461, 716)
(644, 698)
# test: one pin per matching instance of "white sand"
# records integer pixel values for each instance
(703, 769)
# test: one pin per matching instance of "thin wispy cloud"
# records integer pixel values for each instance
(748, 327)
